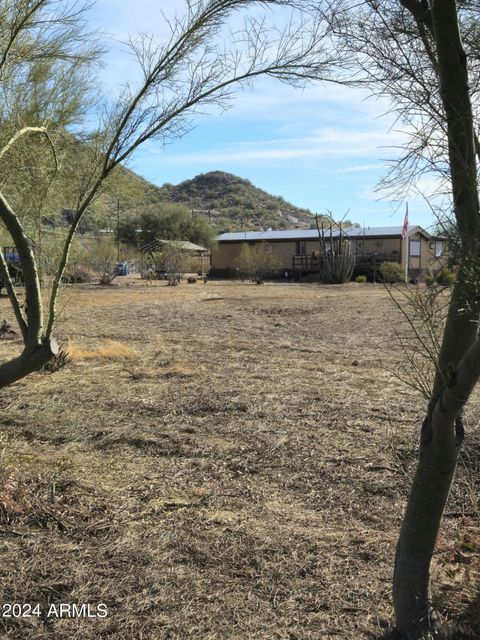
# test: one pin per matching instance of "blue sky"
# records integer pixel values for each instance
(322, 148)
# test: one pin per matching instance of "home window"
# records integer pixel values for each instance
(301, 248)
(438, 248)
(269, 248)
(414, 248)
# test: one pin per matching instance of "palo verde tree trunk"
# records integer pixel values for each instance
(459, 362)
(38, 347)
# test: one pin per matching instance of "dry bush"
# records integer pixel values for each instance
(257, 262)
(173, 259)
(392, 272)
(101, 257)
(57, 362)
(6, 330)
(77, 276)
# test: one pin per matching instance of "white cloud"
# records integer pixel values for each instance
(428, 191)
(294, 112)
(358, 168)
(322, 102)
(322, 143)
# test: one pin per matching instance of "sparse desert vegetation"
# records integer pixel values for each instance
(218, 463)
(222, 461)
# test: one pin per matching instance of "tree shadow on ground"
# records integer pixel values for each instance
(467, 625)
(464, 627)
(389, 633)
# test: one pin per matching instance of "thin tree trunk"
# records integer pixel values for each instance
(458, 371)
(27, 362)
(429, 493)
(442, 436)
(33, 299)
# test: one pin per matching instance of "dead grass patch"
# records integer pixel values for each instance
(234, 478)
(164, 369)
(179, 369)
(110, 350)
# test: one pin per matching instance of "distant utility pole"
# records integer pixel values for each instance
(118, 230)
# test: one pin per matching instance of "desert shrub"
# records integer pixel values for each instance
(361, 278)
(173, 260)
(446, 277)
(6, 330)
(49, 251)
(100, 256)
(57, 362)
(77, 276)
(148, 274)
(257, 263)
(392, 272)
(429, 279)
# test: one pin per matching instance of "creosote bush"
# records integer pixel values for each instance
(174, 261)
(392, 272)
(446, 277)
(257, 263)
(429, 279)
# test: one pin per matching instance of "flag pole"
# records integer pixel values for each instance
(407, 242)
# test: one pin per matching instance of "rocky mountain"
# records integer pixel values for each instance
(225, 201)
(231, 203)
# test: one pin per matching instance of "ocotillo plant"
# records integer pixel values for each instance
(335, 265)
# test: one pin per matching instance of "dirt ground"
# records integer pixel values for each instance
(221, 461)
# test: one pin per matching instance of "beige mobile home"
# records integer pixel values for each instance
(299, 249)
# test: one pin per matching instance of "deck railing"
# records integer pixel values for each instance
(311, 263)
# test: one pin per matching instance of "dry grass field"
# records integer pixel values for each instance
(220, 462)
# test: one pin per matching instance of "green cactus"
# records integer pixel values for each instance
(335, 266)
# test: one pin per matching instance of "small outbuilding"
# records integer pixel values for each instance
(187, 247)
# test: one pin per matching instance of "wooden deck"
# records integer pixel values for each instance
(367, 261)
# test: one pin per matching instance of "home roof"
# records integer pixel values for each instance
(306, 234)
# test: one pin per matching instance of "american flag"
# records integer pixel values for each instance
(405, 224)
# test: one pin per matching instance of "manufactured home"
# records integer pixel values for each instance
(299, 250)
